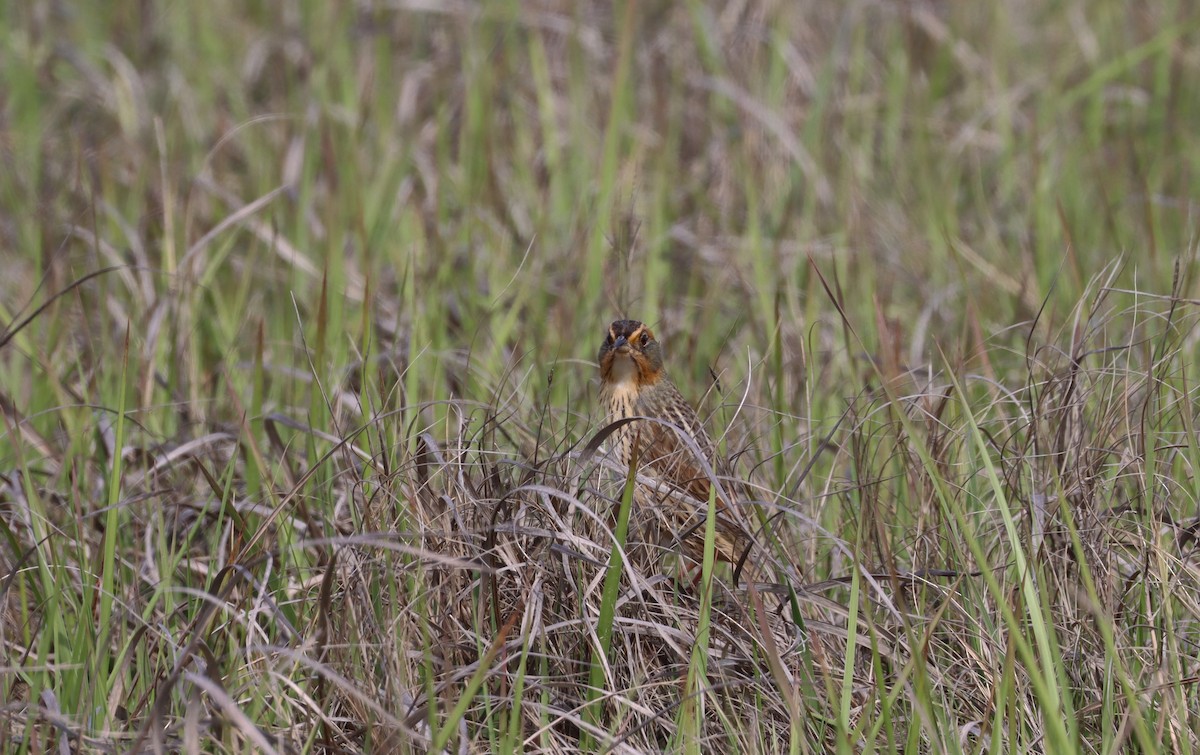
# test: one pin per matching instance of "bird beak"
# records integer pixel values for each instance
(620, 343)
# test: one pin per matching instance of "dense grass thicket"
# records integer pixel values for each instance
(299, 307)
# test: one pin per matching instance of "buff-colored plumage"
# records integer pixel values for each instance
(633, 383)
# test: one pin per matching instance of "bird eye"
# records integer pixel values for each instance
(645, 338)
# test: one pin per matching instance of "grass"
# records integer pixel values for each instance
(300, 449)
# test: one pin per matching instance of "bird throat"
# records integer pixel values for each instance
(622, 386)
(624, 370)
(620, 390)
(629, 373)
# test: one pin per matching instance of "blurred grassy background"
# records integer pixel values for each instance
(419, 217)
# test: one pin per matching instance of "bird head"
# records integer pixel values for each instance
(630, 353)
